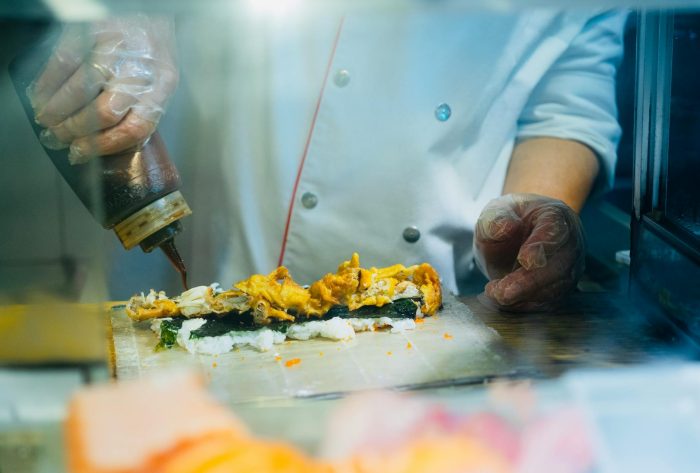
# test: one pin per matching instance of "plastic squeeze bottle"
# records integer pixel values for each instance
(135, 193)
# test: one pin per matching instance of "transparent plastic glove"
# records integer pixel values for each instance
(531, 248)
(105, 86)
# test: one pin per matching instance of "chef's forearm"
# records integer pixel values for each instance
(562, 169)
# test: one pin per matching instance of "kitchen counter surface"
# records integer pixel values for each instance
(589, 330)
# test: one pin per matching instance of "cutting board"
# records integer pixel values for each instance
(454, 347)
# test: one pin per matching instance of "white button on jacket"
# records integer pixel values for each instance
(369, 125)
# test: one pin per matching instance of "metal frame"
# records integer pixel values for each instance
(665, 259)
(652, 121)
(654, 60)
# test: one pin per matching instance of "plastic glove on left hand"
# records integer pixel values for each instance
(531, 248)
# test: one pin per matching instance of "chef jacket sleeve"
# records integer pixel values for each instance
(576, 97)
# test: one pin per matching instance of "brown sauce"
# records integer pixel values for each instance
(168, 247)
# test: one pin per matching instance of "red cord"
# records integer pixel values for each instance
(308, 142)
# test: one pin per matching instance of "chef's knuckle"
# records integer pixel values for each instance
(108, 115)
(131, 131)
(73, 91)
(138, 130)
(67, 127)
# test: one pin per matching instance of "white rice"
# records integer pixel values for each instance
(264, 339)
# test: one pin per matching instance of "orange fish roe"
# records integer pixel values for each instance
(409, 346)
(447, 336)
(420, 321)
(278, 358)
(292, 362)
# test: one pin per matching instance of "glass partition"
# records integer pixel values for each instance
(292, 132)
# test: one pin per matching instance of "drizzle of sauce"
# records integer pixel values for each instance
(173, 255)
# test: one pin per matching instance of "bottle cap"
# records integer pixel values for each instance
(155, 216)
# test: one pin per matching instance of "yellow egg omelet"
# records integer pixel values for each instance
(277, 296)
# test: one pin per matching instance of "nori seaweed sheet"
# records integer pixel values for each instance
(233, 321)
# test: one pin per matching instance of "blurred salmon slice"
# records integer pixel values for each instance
(167, 424)
(122, 427)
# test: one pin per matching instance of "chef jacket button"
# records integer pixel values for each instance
(309, 200)
(342, 78)
(443, 112)
(411, 234)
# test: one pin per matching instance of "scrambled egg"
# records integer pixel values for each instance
(277, 297)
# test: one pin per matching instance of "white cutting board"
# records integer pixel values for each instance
(453, 347)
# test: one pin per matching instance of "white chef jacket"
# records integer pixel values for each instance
(364, 132)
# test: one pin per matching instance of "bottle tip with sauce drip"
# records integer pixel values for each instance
(168, 247)
(165, 240)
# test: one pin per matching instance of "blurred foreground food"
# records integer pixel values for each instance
(171, 424)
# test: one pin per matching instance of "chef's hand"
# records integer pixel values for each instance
(105, 86)
(531, 248)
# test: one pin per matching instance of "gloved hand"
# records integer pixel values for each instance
(105, 86)
(531, 248)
